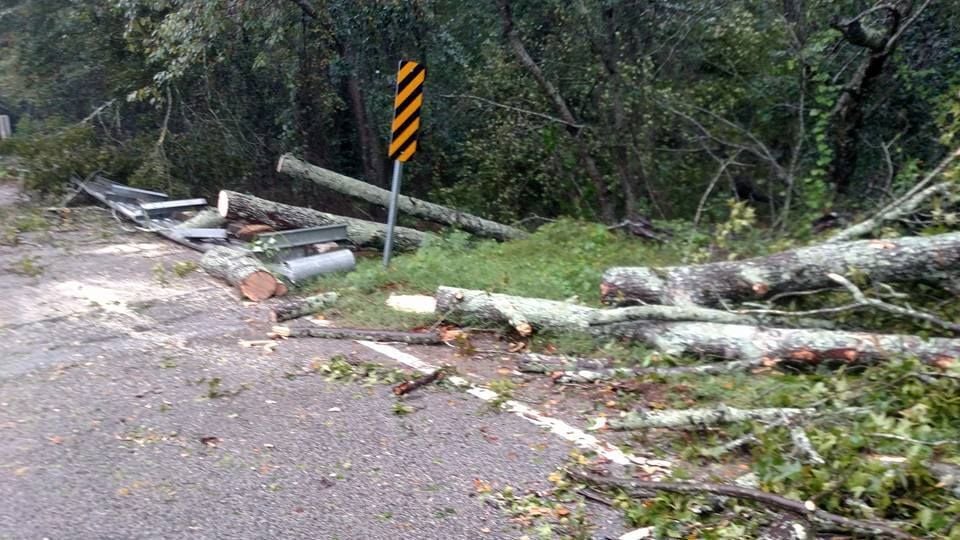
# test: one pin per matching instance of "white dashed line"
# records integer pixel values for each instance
(558, 427)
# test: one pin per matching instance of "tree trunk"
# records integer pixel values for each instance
(361, 190)
(895, 260)
(371, 154)
(242, 271)
(730, 341)
(302, 306)
(560, 105)
(280, 216)
(847, 114)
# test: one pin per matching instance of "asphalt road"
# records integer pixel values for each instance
(128, 410)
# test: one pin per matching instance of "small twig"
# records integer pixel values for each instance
(862, 300)
(514, 109)
(914, 441)
(409, 386)
(805, 446)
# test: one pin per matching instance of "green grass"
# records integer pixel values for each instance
(563, 260)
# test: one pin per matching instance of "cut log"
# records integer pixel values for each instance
(894, 260)
(792, 346)
(302, 306)
(361, 233)
(208, 218)
(411, 338)
(289, 164)
(249, 232)
(240, 270)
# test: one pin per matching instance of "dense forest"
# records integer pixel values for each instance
(591, 109)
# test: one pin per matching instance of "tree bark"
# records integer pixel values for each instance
(895, 260)
(587, 370)
(847, 114)
(730, 341)
(289, 164)
(242, 271)
(699, 418)
(697, 313)
(410, 338)
(300, 307)
(360, 233)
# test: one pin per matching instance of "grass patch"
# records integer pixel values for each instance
(561, 261)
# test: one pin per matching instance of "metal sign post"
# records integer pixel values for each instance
(403, 141)
(5, 130)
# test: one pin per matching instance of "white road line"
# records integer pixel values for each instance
(558, 427)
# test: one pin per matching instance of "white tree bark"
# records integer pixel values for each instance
(288, 164)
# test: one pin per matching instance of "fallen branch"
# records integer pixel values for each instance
(715, 368)
(361, 233)
(804, 446)
(643, 228)
(791, 346)
(896, 260)
(288, 164)
(907, 204)
(648, 489)
(300, 307)
(409, 386)
(696, 418)
(862, 299)
(696, 313)
(587, 370)
(411, 338)
(243, 271)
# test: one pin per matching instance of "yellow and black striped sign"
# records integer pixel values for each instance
(406, 110)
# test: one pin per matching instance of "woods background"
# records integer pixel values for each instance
(591, 109)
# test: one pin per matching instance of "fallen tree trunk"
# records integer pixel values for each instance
(411, 338)
(242, 271)
(793, 346)
(895, 260)
(300, 307)
(289, 164)
(361, 233)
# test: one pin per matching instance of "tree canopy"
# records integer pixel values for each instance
(597, 109)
